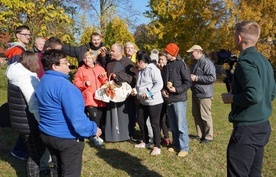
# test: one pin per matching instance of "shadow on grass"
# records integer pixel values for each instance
(125, 162)
(7, 141)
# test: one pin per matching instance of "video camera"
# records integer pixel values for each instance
(222, 57)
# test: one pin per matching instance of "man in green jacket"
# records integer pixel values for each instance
(251, 104)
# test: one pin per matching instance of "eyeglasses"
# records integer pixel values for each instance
(25, 34)
(65, 63)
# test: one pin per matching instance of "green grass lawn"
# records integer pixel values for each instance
(122, 159)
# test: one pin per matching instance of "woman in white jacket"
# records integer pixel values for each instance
(23, 74)
(22, 83)
(148, 86)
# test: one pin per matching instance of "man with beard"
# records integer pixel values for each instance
(96, 46)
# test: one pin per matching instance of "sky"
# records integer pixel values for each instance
(141, 4)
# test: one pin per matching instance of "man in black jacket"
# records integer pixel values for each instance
(177, 80)
(95, 45)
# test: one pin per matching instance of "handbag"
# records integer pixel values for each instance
(113, 92)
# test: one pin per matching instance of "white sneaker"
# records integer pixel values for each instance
(156, 151)
(97, 141)
(142, 145)
(101, 141)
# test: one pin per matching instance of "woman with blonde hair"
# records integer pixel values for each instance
(88, 78)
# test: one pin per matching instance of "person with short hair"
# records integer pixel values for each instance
(51, 43)
(253, 90)
(39, 44)
(88, 78)
(118, 114)
(23, 37)
(203, 76)
(130, 51)
(63, 123)
(162, 62)
(96, 46)
(177, 81)
(13, 53)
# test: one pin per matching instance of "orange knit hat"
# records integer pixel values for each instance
(172, 49)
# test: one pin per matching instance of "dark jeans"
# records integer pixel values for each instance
(163, 121)
(35, 150)
(20, 148)
(66, 155)
(245, 150)
(95, 114)
(153, 112)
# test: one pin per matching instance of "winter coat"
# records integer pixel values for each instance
(27, 81)
(14, 52)
(21, 119)
(178, 73)
(91, 74)
(205, 72)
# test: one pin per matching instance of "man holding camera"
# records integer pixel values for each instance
(253, 90)
(203, 76)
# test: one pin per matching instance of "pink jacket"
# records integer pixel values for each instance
(91, 74)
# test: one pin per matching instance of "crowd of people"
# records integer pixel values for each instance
(56, 115)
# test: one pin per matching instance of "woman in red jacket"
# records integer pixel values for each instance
(88, 79)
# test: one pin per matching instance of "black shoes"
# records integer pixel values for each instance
(193, 137)
(205, 141)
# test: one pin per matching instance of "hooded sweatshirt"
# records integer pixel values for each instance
(150, 82)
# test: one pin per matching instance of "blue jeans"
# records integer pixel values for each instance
(178, 124)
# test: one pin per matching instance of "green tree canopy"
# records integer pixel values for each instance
(117, 32)
(44, 17)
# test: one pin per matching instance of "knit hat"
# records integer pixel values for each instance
(154, 55)
(172, 49)
(195, 47)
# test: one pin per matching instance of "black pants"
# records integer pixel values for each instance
(245, 150)
(153, 112)
(66, 155)
(95, 114)
(163, 121)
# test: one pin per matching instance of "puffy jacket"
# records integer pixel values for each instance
(178, 73)
(27, 81)
(21, 119)
(91, 74)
